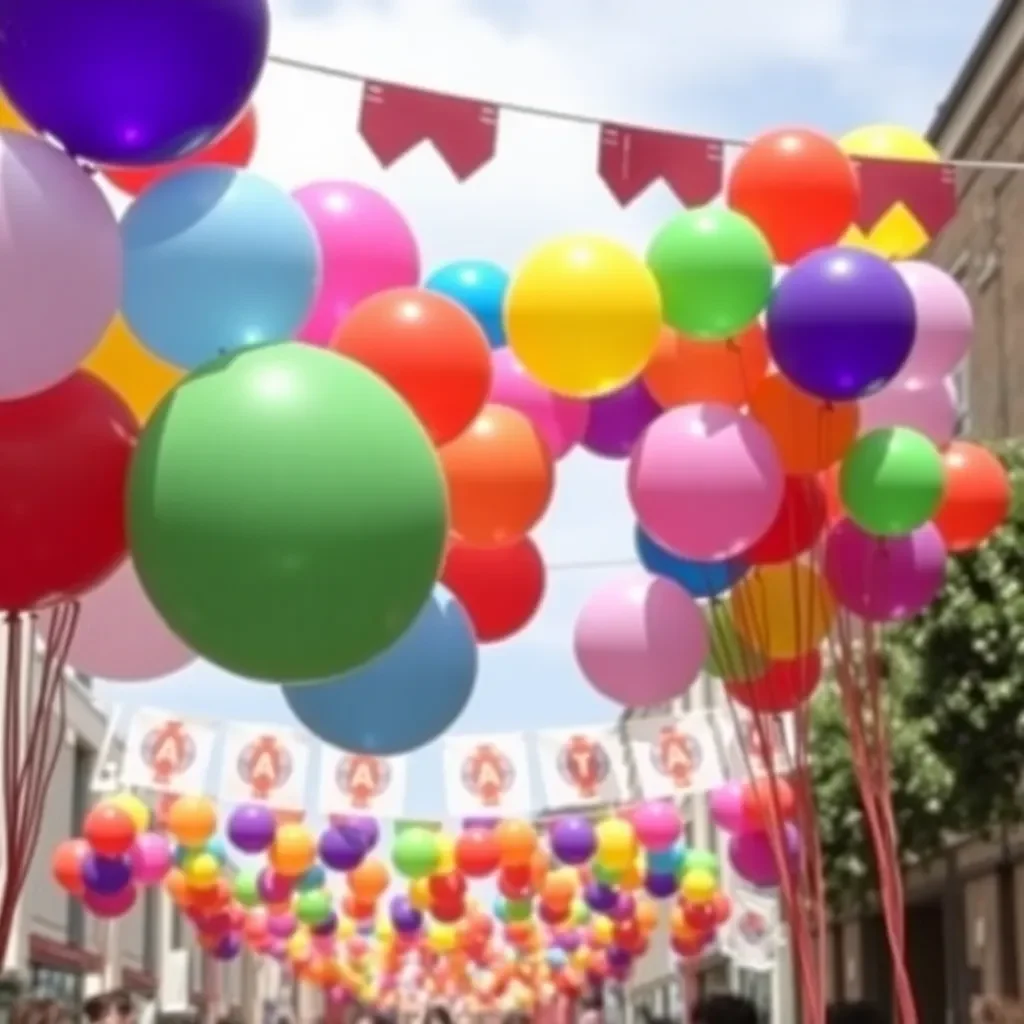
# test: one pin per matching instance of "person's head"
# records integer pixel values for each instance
(30, 1010)
(437, 1014)
(855, 1012)
(724, 1009)
(123, 1006)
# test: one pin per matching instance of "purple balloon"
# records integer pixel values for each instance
(366, 828)
(251, 828)
(573, 840)
(228, 948)
(274, 888)
(328, 926)
(841, 323)
(487, 824)
(617, 420)
(106, 875)
(404, 916)
(661, 887)
(96, 75)
(600, 898)
(624, 909)
(882, 579)
(342, 847)
(618, 957)
(570, 941)
(751, 856)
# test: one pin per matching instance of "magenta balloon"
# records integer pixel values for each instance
(930, 410)
(705, 481)
(561, 422)
(60, 265)
(120, 635)
(150, 858)
(725, 805)
(753, 859)
(882, 579)
(945, 325)
(641, 640)
(110, 905)
(366, 247)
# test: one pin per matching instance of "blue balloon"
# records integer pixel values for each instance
(701, 579)
(218, 848)
(403, 698)
(314, 878)
(216, 259)
(479, 287)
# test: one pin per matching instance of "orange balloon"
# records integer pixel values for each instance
(430, 350)
(682, 370)
(177, 887)
(834, 510)
(559, 887)
(809, 434)
(293, 851)
(977, 497)
(517, 841)
(369, 880)
(500, 478)
(66, 865)
(192, 820)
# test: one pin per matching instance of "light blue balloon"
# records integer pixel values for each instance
(217, 847)
(216, 259)
(556, 957)
(403, 698)
(700, 579)
(314, 878)
(666, 862)
(479, 287)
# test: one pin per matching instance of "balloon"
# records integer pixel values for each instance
(700, 579)
(119, 636)
(616, 843)
(829, 481)
(428, 349)
(683, 371)
(892, 481)
(752, 858)
(105, 875)
(216, 259)
(97, 79)
(882, 580)
(109, 831)
(809, 434)
(977, 496)
(797, 524)
(561, 422)
(714, 271)
(10, 119)
(403, 698)
(705, 481)
(798, 187)
(500, 478)
(766, 799)
(66, 865)
(783, 610)
(617, 420)
(192, 820)
(110, 905)
(251, 828)
(235, 148)
(731, 656)
(365, 827)
(479, 288)
(416, 853)
(246, 891)
(640, 640)
(150, 858)
(572, 839)
(293, 851)
(725, 805)
(783, 686)
(60, 262)
(582, 315)
(253, 578)
(275, 888)
(517, 842)
(134, 808)
(367, 247)
(341, 847)
(889, 142)
(368, 881)
(500, 588)
(228, 948)
(930, 410)
(821, 313)
(657, 824)
(945, 324)
(477, 852)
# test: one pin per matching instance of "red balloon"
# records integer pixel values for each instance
(109, 831)
(64, 457)
(477, 852)
(110, 905)
(501, 588)
(798, 187)
(448, 911)
(977, 497)
(761, 798)
(783, 686)
(797, 524)
(66, 865)
(234, 148)
(446, 888)
(829, 481)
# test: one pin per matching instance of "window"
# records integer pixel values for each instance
(65, 986)
(84, 762)
(757, 987)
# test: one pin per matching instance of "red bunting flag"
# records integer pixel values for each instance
(927, 190)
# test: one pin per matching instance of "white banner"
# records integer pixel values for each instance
(751, 936)
(487, 775)
(167, 753)
(361, 784)
(583, 767)
(756, 747)
(265, 764)
(675, 755)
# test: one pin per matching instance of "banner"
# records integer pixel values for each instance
(360, 784)
(487, 775)
(265, 764)
(675, 755)
(584, 767)
(167, 753)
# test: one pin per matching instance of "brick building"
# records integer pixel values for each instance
(965, 916)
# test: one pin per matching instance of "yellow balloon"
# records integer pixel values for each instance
(632, 878)
(346, 928)
(385, 930)
(699, 886)
(446, 854)
(121, 362)
(442, 938)
(889, 142)
(602, 930)
(298, 945)
(616, 844)
(783, 611)
(134, 808)
(583, 315)
(419, 894)
(10, 119)
(202, 870)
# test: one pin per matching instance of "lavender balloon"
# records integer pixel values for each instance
(404, 916)
(600, 898)
(661, 887)
(366, 828)
(228, 948)
(617, 420)
(342, 847)
(251, 828)
(573, 840)
(883, 579)
(753, 859)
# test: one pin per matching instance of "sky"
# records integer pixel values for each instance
(731, 69)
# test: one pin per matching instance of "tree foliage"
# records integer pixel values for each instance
(955, 706)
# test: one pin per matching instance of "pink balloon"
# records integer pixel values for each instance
(151, 858)
(725, 805)
(641, 640)
(561, 422)
(120, 636)
(883, 579)
(110, 905)
(60, 265)
(705, 481)
(930, 410)
(657, 824)
(366, 246)
(753, 858)
(945, 325)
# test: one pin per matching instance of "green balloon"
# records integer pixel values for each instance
(714, 269)
(416, 852)
(606, 876)
(247, 889)
(891, 481)
(518, 910)
(700, 860)
(287, 513)
(313, 906)
(730, 657)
